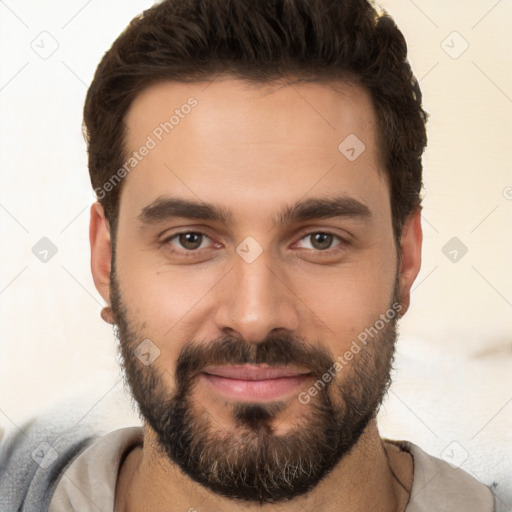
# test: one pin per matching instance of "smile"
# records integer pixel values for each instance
(253, 382)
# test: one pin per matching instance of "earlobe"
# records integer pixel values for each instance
(101, 250)
(410, 248)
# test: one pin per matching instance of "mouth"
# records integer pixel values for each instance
(254, 383)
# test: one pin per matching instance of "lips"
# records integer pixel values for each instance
(255, 382)
(252, 372)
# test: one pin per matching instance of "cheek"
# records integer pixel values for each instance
(168, 304)
(157, 293)
(343, 302)
(163, 297)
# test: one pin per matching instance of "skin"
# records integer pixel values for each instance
(253, 150)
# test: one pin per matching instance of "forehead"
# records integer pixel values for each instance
(253, 144)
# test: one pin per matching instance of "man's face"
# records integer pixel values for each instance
(252, 293)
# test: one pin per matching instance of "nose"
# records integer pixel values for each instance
(256, 300)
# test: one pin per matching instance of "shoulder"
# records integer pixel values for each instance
(439, 486)
(33, 458)
(95, 472)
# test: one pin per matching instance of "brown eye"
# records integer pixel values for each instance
(190, 241)
(194, 245)
(321, 241)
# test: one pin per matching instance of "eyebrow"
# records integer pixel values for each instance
(167, 208)
(323, 208)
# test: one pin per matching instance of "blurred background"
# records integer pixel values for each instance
(453, 379)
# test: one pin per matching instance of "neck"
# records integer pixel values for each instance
(371, 477)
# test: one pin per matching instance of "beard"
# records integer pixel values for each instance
(250, 461)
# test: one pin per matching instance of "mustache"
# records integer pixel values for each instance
(274, 350)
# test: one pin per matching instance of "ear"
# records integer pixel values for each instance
(101, 250)
(410, 249)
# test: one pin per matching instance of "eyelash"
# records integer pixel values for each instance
(192, 252)
(184, 252)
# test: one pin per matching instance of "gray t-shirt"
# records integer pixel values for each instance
(89, 483)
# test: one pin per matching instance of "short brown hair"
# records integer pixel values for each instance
(261, 41)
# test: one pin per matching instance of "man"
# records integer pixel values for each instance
(256, 236)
